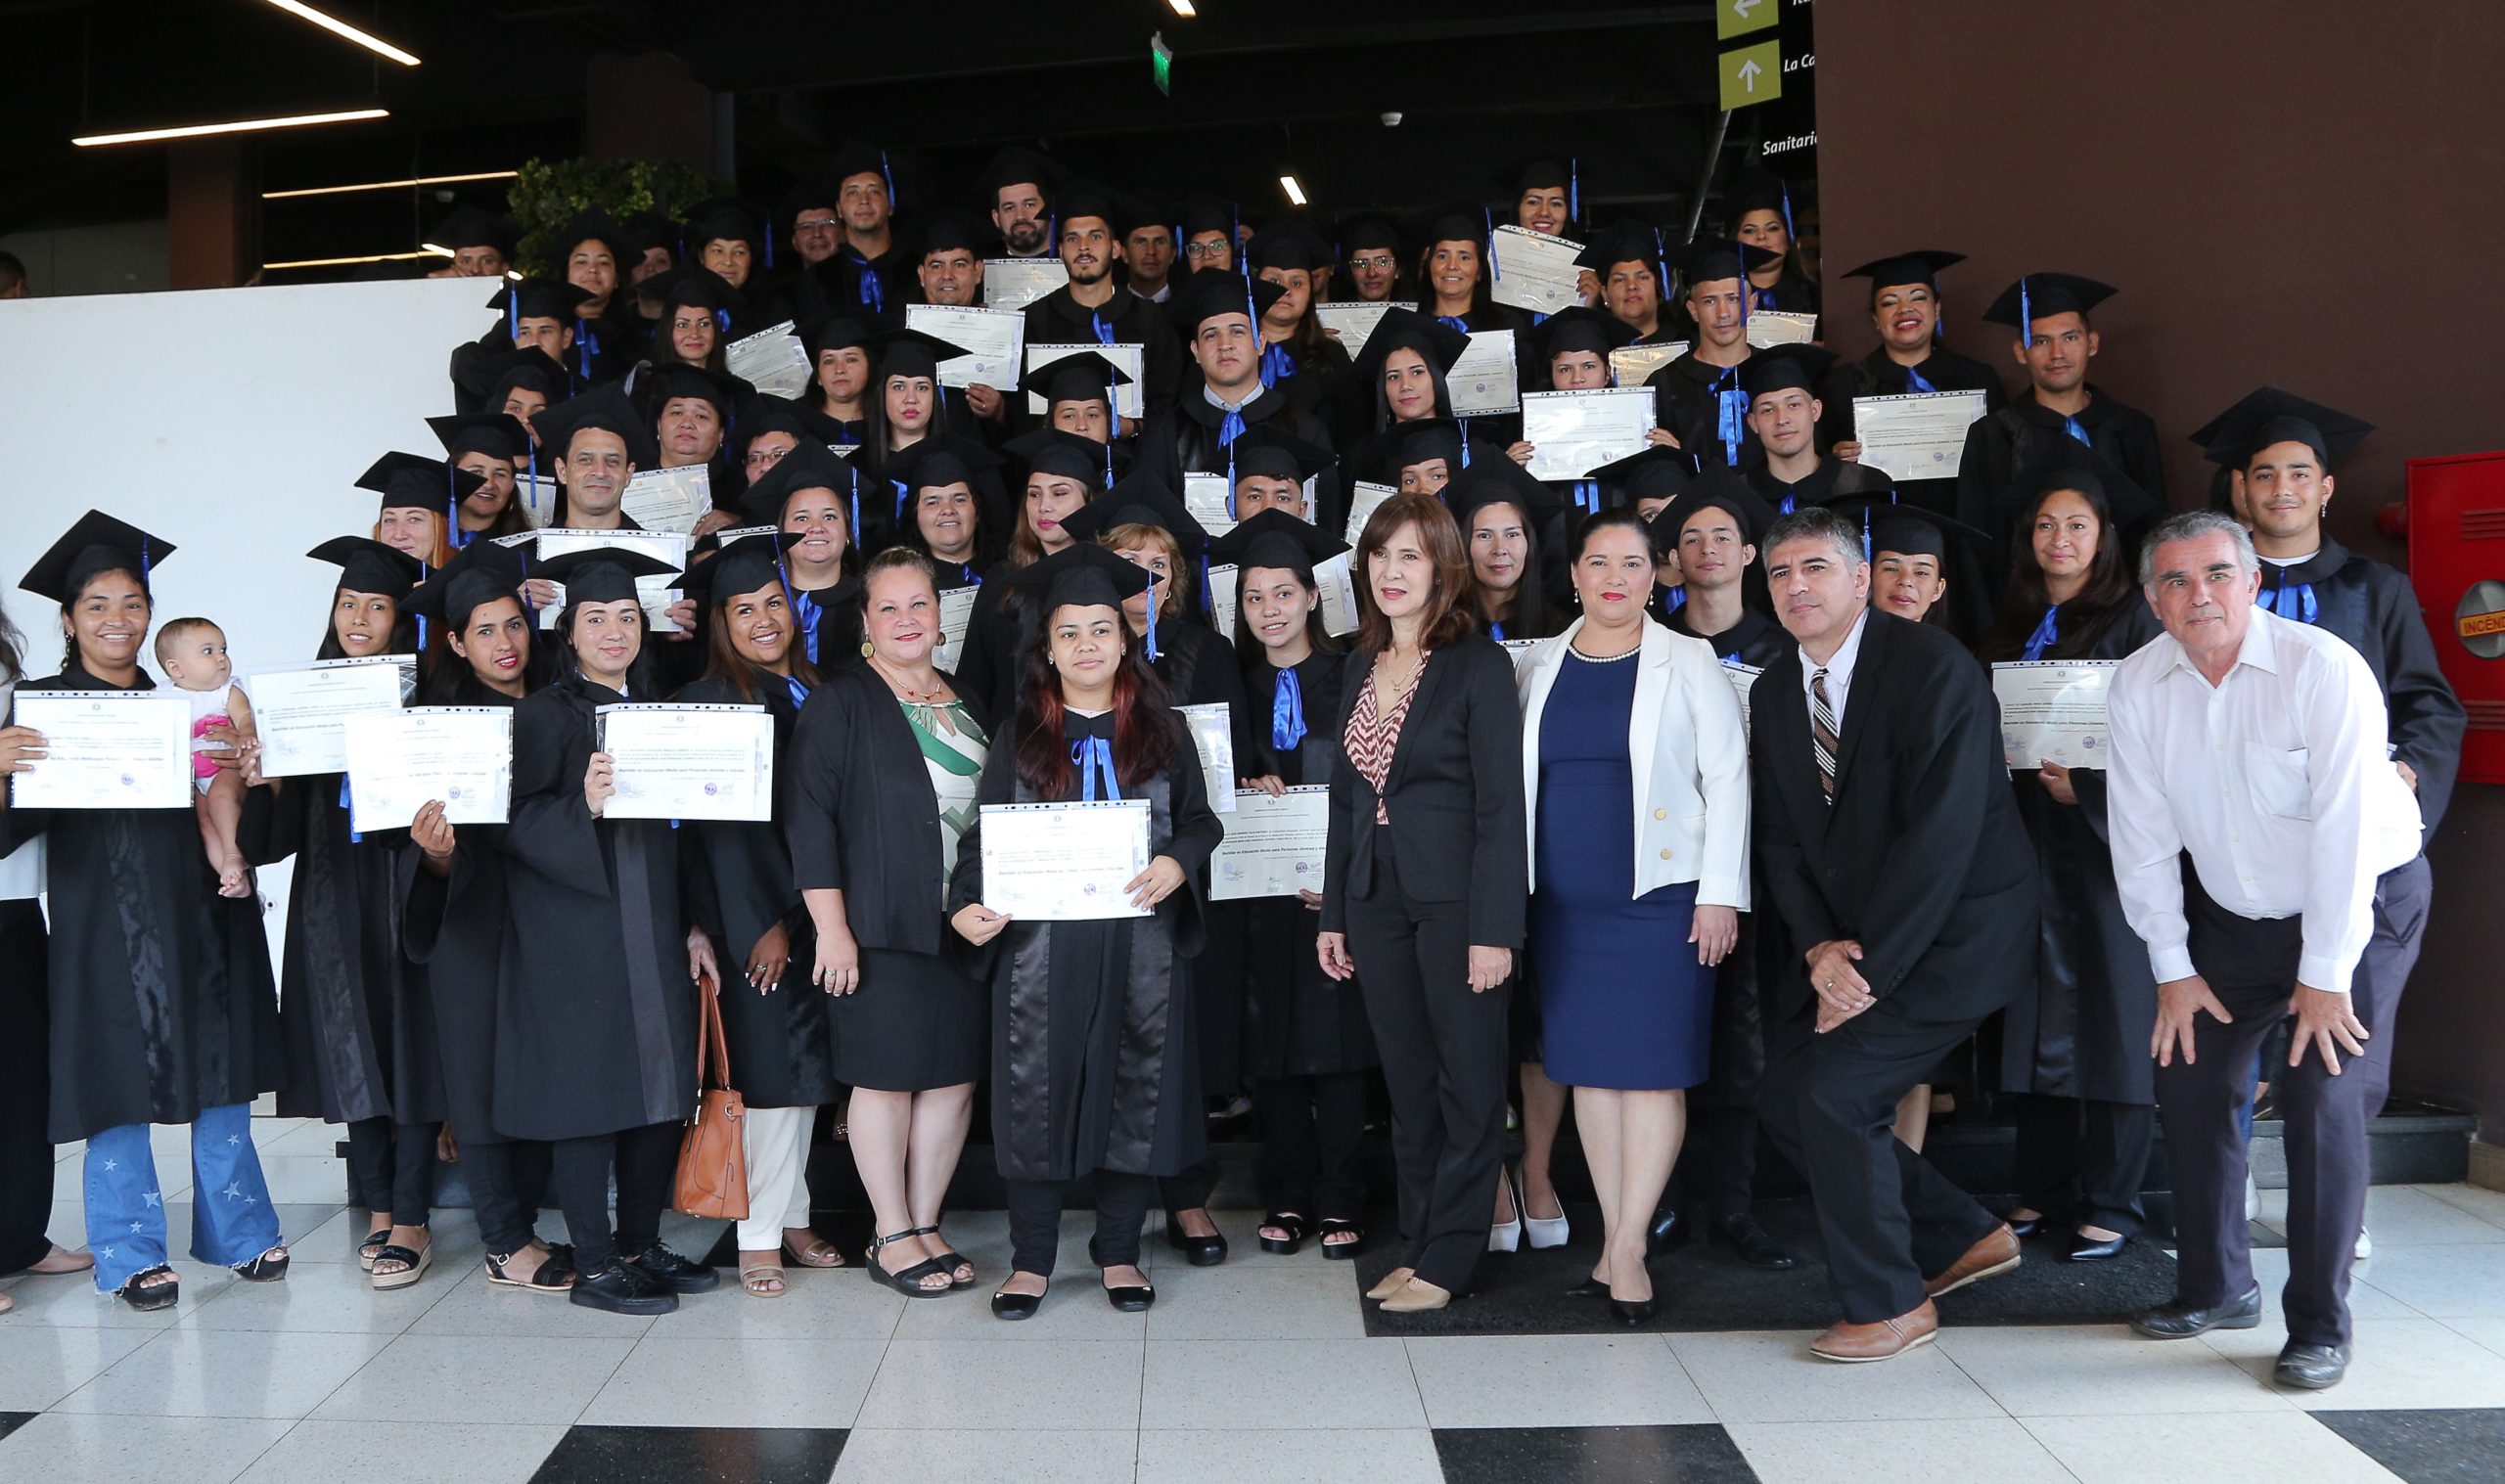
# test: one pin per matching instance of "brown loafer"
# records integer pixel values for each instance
(1996, 1254)
(1882, 1341)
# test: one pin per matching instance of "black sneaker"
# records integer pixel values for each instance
(677, 1274)
(621, 1288)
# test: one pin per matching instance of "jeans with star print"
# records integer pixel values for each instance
(232, 1219)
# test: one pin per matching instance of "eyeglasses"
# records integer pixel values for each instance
(1377, 260)
(814, 224)
(1204, 250)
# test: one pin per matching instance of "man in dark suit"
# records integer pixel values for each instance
(1892, 848)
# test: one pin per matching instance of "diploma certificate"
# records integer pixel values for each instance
(1780, 327)
(1064, 863)
(689, 762)
(1518, 650)
(1483, 381)
(2052, 711)
(1573, 432)
(1355, 322)
(1633, 364)
(956, 611)
(1334, 579)
(771, 360)
(301, 714)
(107, 749)
(669, 499)
(1013, 283)
(1918, 437)
(656, 593)
(1363, 500)
(1274, 847)
(1533, 270)
(401, 761)
(1207, 497)
(1744, 681)
(538, 497)
(1223, 601)
(1126, 398)
(994, 340)
(1213, 738)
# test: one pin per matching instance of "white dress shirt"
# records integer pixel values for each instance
(2275, 779)
(1839, 670)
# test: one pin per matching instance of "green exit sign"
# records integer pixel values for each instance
(1161, 60)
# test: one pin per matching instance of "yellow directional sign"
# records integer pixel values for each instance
(1738, 18)
(1751, 74)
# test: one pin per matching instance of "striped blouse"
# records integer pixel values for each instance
(1374, 735)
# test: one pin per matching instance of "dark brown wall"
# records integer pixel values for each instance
(2303, 193)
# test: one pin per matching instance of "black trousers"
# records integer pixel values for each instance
(2251, 967)
(1445, 1064)
(1310, 1130)
(1716, 1172)
(26, 1087)
(392, 1169)
(1034, 1220)
(2081, 1160)
(1187, 1188)
(1888, 1217)
(645, 1160)
(506, 1181)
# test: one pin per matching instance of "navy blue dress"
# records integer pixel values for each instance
(1625, 1002)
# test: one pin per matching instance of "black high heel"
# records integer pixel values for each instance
(1634, 1314)
(1590, 1287)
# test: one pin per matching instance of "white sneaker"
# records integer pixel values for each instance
(2365, 1247)
(2252, 1199)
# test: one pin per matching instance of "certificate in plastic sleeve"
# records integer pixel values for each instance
(1780, 327)
(1534, 270)
(1518, 651)
(301, 714)
(1274, 847)
(994, 340)
(1064, 863)
(401, 761)
(1920, 436)
(1633, 364)
(2052, 711)
(1334, 580)
(956, 611)
(106, 749)
(689, 762)
(1222, 584)
(1212, 732)
(655, 592)
(1483, 381)
(1013, 283)
(1363, 500)
(669, 499)
(1209, 497)
(539, 496)
(1127, 397)
(1355, 322)
(771, 360)
(1743, 682)
(1573, 432)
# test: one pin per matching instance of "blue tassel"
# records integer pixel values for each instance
(1152, 656)
(1286, 712)
(1573, 190)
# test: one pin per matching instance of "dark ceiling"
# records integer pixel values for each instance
(1257, 89)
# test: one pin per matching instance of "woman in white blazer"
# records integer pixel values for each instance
(1635, 774)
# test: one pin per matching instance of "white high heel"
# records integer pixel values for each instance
(1543, 1233)
(1507, 1236)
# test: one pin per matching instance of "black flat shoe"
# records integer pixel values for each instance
(1340, 1251)
(2172, 1320)
(1016, 1306)
(1200, 1251)
(1288, 1222)
(1130, 1299)
(678, 1275)
(2028, 1228)
(2312, 1368)
(1751, 1243)
(1667, 1234)
(2095, 1250)
(621, 1288)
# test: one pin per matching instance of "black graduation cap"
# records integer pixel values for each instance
(1081, 575)
(1718, 487)
(1018, 165)
(1289, 245)
(1627, 242)
(1140, 499)
(1576, 328)
(602, 574)
(478, 574)
(1427, 438)
(1759, 190)
(2041, 296)
(1708, 259)
(1204, 212)
(766, 413)
(678, 380)
(1087, 377)
(94, 543)
(949, 233)
(491, 377)
(603, 408)
(539, 298)
(1407, 330)
(697, 287)
(1067, 456)
(650, 230)
(1266, 451)
(1780, 368)
(1501, 480)
(1146, 208)
(1277, 539)
(2271, 416)
(414, 482)
(497, 434)
(1651, 473)
(1921, 266)
(1452, 222)
(941, 458)
(466, 226)
(856, 158)
(724, 218)
(2080, 468)
(1368, 231)
(811, 466)
(1086, 198)
(1536, 172)
(811, 190)
(1207, 295)
(741, 563)
(835, 330)
(596, 225)
(1911, 531)
(906, 352)
(369, 566)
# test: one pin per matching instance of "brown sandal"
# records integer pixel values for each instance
(821, 1253)
(755, 1281)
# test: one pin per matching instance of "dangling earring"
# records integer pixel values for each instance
(865, 648)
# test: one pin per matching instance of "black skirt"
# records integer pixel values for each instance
(915, 1023)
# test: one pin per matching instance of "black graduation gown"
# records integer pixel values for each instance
(1792, 294)
(831, 624)
(1092, 1022)
(1687, 396)
(736, 881)
(1057, 319)
(159, 991)
(1877, 376)
(987, 662)
(871, 290)
(596, 1016)
(1833, 481)
(454, 927)
(1298, 1021)
(1184, 439)
(1316, 383)
(1199, 667)
(2007, 451)
(2082, 1028)
(2375, 609)
(360, 1034)
(1755, 640)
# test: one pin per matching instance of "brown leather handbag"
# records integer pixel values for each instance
(712, 1155)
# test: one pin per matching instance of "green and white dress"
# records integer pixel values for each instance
(953, 749)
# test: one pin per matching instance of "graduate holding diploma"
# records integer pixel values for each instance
(1095, 1068)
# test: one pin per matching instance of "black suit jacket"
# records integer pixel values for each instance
(1454, 795)
(1922, 857)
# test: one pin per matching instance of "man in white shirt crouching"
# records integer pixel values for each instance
(2255, 746)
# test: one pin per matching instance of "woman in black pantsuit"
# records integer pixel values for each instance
(1426, 884)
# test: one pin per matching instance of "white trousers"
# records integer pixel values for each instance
(778, 1167)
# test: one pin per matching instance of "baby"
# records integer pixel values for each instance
(192, 651)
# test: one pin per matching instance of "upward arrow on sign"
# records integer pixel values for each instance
(1748, 71)
(1751, 74)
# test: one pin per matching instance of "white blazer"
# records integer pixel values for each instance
(1689, 753)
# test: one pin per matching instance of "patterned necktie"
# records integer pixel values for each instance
(1822, 733)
